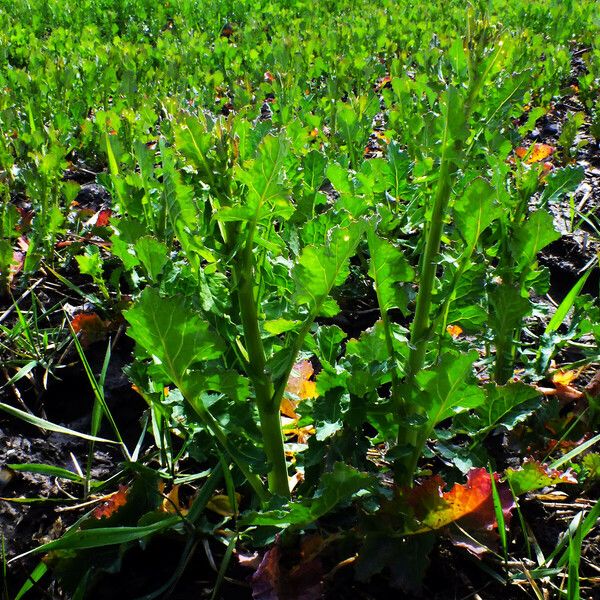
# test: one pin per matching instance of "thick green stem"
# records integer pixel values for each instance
(270, 422)
(270, 425)
(420, 330)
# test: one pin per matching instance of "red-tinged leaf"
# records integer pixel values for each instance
(90, 327)
(278, 577)
(26, 218)
(104, 216)
(23, 243)
(471, 503)
(564, 446)
(563, 389)
(538, 153)
(99, 219)
(266, 577)
(112, 503)
(17, 263)
(534, 475)
(592, 389)
(385, 81)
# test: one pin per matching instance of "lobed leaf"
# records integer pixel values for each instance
(173, 334)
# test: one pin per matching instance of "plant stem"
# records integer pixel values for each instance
(419, 335)
(270, 422)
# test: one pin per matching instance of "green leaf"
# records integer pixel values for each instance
(106, 536)
(444, 389)
(339, 486)
(530, 237)
(387, 268)
(319, 269)
(533, 475)
(278, 326)
(452, 119)
(507, 309)
(400, 166)
(226, 381)
(173, 334)
(267, 195)
(475, 210)
(91, 262)
(506, 405)
(194, 141)
(326, 343)
(178, 201)
(153, 254)
(336, 487)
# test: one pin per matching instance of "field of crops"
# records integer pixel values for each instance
(299, 300)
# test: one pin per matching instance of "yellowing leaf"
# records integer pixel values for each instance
(299, 387)
(564, 377)
(454, 330)
(221, 504)
(536, 154)
(172, 504)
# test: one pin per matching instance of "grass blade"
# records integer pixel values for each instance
(43, 424)
(565, 306)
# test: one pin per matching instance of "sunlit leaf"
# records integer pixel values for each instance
(173, 334)
(591, 464)
(388, 268)
(319, 269)
(536, 154)
(299, 387)
(433, 508)
(267, 193)
(90, 327)
(454, 331)
(445, 388)
(532, 236)
(533, 475)
(475, 210)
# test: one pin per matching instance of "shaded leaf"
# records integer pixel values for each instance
(531, 237)
(112, 504)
